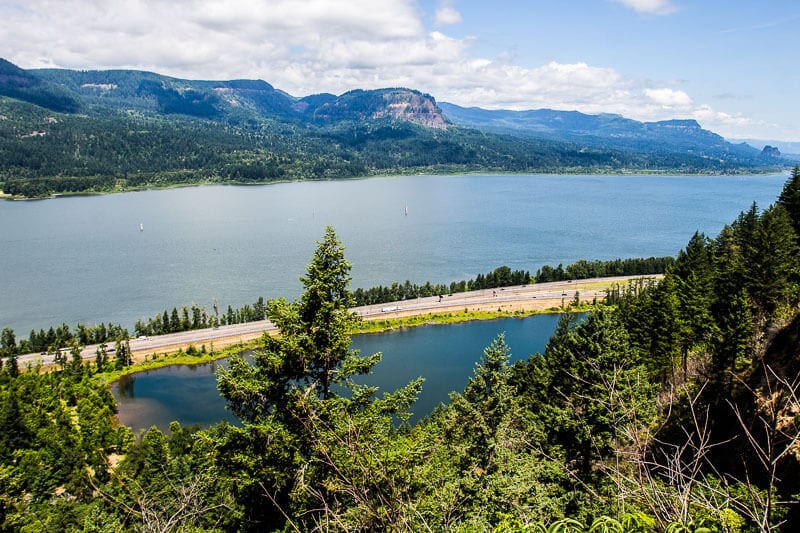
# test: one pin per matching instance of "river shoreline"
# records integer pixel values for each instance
(769, 171)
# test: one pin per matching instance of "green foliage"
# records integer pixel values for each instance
(17, 83)
(294, 393)
(500, 277)
(583, 269)
(56, 431)
(313, 347)
(790, 198)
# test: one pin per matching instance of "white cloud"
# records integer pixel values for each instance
(669, 98)
(326, 46)
(652, 7)
(446, 15)
(731, 125)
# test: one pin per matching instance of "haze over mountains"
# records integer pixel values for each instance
(251, 131)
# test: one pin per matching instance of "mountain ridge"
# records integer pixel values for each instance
(610, 130)
(67, 131)
(216, 99)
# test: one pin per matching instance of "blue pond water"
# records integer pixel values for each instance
(445, 355)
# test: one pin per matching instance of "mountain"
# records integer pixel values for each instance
(23, 85)
(236, 99)
(789, 150)
(65, 131)
(608, 130)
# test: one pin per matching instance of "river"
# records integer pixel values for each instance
(123, 257)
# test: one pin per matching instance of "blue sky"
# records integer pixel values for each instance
(732, 65)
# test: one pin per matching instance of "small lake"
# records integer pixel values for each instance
(445, 355)
(86, 260)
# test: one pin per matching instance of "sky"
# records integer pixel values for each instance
(733, 65)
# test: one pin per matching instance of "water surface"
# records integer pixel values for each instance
(84, 259)
(445, 355)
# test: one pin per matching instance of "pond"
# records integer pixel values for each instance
(445, 355)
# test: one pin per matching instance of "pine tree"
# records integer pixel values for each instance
(487, 397)
(770, 252)
(299, 401)
(312, 351)
(694, 284)
(591, 376)
(790, 198)
(8, 343)
(174, 320)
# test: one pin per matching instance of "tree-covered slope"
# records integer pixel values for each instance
(21, 84)
(83, 131)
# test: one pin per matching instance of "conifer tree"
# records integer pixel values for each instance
(790, 198)
(583, 364)
(311, 353)
(298, 399)
(772, 260)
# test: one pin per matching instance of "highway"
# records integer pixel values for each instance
(533, 297)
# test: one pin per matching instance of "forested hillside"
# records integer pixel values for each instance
(673, 407)
(64, 131)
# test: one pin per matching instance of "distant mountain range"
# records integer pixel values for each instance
(69, 131)
(787, 148)
(609, 130)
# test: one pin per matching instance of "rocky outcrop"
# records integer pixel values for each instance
(412, 106)
(381, 104)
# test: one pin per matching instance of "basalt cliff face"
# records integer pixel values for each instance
(394, 104)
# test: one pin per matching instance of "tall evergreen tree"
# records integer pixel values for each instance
(693, 273)
(771, 256)
(790, 198)
(8, 343)
(487, 397)
(292, 400)
(312, 351)
(591, 372)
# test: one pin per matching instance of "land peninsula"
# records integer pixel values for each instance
(520, 300)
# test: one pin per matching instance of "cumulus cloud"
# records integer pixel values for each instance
(669, 98)
(325, 46)
(730, 124)
(652, 7)
(446, 14)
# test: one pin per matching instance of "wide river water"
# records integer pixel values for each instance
(444, 355)
(123, 257)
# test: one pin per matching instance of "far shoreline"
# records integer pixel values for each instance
(488, 172)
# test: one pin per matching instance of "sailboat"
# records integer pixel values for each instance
(141, 226)
(406, 211)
